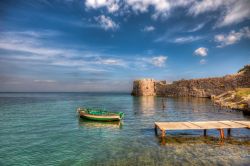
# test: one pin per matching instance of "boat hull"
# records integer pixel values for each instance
(99, 118)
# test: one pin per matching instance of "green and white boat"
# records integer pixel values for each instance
(99, 114)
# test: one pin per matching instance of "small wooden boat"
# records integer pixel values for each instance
(99, 114)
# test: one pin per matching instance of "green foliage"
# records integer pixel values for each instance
(242, 92)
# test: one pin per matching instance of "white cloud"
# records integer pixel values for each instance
(157, 61)
(148, 28)
(110, 61)
(22, 46)
(232, 11)
(32, 50)
(95, 62)
(44, 81)
(233, 37)
(203, 6)
(29, 33)
(31, 42)
(97, 3)
(111, 5)
(92, 70)
(161, 7)
(168, 37)
(203, 61)
(106, 22)
(142, 6)
(69, 63)
(235, 13)
(186, 39)
(202, 51)
(198, 27)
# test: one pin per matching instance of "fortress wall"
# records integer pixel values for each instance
(144, 87)
(195, 87)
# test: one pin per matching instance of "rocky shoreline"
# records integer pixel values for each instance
(224, 91)
(238, 99)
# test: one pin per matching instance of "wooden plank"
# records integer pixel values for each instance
(233, 124)
(192, 126)
(202, 125)
(211, 125)
(172, 126)
(176, 126)
(247, 123)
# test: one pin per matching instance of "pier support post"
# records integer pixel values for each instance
(155, 129)
(229, 132)
(205, 132)
(221, 133)
(163, 141)
(163, 134)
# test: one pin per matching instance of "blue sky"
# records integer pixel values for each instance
(103, 45)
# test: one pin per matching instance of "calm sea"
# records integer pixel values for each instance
(44, 129)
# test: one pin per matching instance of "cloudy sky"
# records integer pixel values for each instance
(102, 45)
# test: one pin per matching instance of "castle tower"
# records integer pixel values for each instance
(144, 87)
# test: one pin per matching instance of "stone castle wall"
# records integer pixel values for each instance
(195, 87)
(144, 87)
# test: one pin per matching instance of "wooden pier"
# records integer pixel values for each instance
(201, 125)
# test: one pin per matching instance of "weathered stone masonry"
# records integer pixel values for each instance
(194, 87)
(144, 87)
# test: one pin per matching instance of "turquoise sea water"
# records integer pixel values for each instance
(43, 129)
